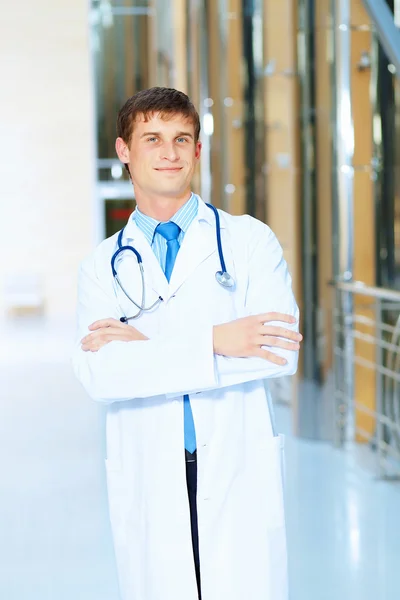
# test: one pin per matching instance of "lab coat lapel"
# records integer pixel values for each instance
(198, 244)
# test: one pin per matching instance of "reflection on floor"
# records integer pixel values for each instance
(343, 526)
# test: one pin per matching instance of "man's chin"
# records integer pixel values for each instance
(172, 191)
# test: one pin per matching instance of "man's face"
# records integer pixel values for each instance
(162, 155)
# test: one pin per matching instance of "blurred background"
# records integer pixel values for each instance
(300, 109)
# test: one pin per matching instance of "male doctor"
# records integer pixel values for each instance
(193, 466)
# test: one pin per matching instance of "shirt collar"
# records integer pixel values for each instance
(203, 214)
(146, 224)
(183, 218)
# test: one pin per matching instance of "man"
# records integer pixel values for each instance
(193, 467)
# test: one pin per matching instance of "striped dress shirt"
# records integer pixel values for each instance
(183, 218)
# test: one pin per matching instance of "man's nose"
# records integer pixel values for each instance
(170, 152)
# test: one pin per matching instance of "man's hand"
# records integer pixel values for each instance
(245, 337)
(108, 330)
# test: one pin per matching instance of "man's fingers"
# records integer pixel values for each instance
(270, 356)
(103, 336)
(273, 330)
(276, 316)
(276, 342)
(104, 323)
(90, 348)
(95, 343)
(103, 331)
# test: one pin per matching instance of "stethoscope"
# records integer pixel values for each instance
(222, 276)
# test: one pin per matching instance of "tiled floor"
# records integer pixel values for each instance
(343, 526)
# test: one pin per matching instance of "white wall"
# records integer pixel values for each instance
(46, 146)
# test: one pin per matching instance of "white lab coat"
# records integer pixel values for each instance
(240, 502)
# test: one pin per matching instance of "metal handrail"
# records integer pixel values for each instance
(386, 339)
(388, 34)
(358, 287)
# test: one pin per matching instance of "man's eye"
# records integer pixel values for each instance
(181, 139)
(151, 139)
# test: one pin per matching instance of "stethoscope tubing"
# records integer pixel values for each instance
(223, 277)
(121, 249)
(218, 234)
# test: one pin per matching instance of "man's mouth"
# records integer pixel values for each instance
(170, 169)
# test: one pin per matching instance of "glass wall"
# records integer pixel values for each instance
(121, 49)
(214, 51)
(386, 161)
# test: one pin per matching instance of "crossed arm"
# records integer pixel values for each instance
(241, 338)
(115, 361)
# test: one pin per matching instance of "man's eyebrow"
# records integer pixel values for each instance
(158, 133)
(149, 133)
(184, 133)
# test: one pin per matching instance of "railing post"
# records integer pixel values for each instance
(379, 392)
(348, 367)
(337, 338)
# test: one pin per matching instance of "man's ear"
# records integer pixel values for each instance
(199, 146)
(122, 150)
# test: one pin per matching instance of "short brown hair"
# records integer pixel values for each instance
(166, 101)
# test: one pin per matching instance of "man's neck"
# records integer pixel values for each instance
(161, 208)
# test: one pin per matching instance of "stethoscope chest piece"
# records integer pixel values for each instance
(225, 279)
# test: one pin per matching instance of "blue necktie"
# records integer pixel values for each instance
(170, 231)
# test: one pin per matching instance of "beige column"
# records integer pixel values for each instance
(283, 182)
(364, 213)
(214, 69)
(179, 25)
(231, 72)
(282, 130)
(152, 43)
